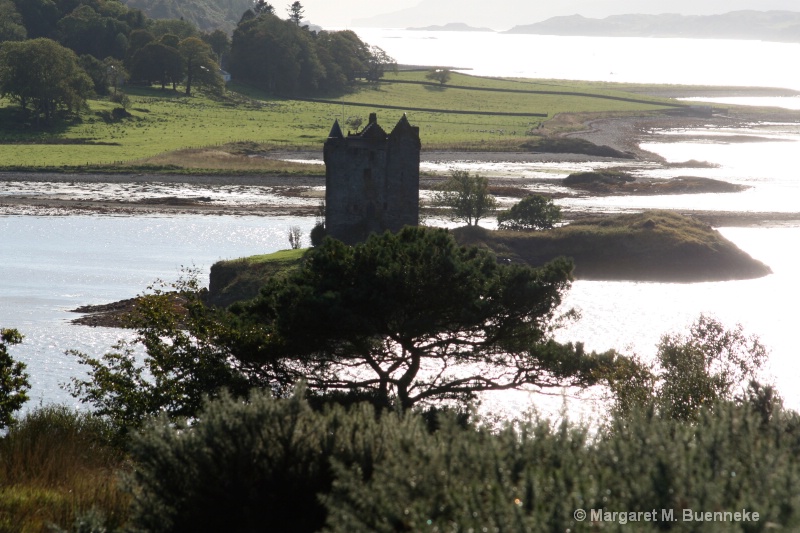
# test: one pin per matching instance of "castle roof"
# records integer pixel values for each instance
(373, 131)
(405, 129)
(336, 131)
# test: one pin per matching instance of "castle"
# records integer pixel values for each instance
(371, 180)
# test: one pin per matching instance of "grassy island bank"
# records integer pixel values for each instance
(651, 246)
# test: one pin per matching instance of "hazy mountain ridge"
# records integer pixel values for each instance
(783, 26)
(205, 14)
(453, 26)
(505, 14)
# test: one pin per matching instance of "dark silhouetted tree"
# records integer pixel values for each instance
(296, 13)
(413, 316)
(14, 382)
(262, 6)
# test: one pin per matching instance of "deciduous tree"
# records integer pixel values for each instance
(219, 42)
(467, 197)
(156, 62)
(696, 371)
(439, 75)
(44, 76)
(535, 212)
(11, 25)
(200, 65)
(379, 61)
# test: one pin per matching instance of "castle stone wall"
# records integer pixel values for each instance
(372, 180)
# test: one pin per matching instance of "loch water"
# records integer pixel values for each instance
(51, 264)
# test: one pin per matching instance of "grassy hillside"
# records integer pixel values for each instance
(165, 121)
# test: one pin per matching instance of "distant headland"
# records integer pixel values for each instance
(776, 26)
(453, 26)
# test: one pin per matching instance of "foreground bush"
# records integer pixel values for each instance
(278, 462)
(246, 465)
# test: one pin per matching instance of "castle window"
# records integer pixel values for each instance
(367, 174)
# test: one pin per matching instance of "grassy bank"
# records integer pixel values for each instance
(650, 246)
(166, 129)
(241, 279)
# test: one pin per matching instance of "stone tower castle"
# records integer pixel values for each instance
(371, 180)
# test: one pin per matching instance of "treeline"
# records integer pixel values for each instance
(109, 43)
(283, 57)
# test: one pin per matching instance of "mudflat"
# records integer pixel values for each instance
(43, 193)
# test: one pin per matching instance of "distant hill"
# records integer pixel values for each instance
(505, 14)
(205, 14)
(782, 26)
(453, 26)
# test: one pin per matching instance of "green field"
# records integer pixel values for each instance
(163, 122)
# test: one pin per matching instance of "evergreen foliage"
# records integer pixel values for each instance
(404, 318)
(245, 465)
(281, 463)
(296, 12)
(413, 317)
(535, 212)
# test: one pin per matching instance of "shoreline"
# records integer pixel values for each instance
(153, 194)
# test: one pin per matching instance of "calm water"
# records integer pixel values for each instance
(619, 59)
(49, 265)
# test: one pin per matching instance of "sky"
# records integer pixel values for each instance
(503, 14)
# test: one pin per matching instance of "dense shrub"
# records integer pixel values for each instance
(535, 212)
(278, 462)
(246, 465)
